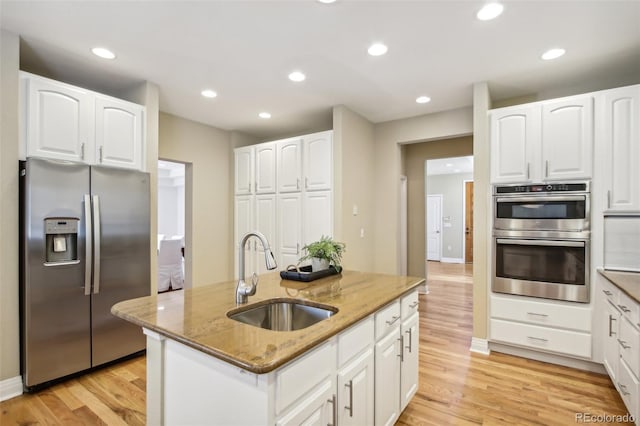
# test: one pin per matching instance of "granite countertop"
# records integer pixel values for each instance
(198, 317)
(629, 282)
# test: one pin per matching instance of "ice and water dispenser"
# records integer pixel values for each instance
(62, 240)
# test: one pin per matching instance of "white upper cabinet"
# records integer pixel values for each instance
(318, 161)
(567, 138)
(69, 123)
(289, 229)
(289, 165)
(514, 144)
(318, 215)
(265, 169)
(244, 170)
(118, 133)
(59, 120)
(265, 216)
(621, 133)
(545, 141)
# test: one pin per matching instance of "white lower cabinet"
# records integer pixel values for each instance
(355, 391)
(317, 409)
(388, 378)
(409, 367)
(611, 355)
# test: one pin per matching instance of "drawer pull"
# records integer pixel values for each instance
(611, 319)
(624, 309)
(393, 319)
(401, 355)
(539, 339)
(350, 406)
(537, 314)
(410, 339)
(334, 415)
(623, 344)
(414, 304)
(607, 292)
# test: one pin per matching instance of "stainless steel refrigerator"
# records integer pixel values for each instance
(84, 247)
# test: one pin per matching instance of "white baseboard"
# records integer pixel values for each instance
(480, 346)
(451, 260)
(10, 388)
(580, 364)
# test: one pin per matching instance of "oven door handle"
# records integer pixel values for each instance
(549, 243)
(533, 199)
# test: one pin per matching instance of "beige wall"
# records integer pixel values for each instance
(415, 156)
(9, 320)
(209, 223)
(388, 169)
(354, 175)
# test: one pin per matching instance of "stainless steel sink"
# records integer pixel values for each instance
(282, 315)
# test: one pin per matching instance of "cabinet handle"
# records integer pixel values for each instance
(528, 167)
(414, 304)
(608, 199)
(306, 182)
(540, 339)
(334, 415)
(623, 344)
(624, 309)
(249, 187)
(623, 389)
(256, 186)
(611, 319)
(546, 168)
(82, 151)
(100, 154)
(410, 339)
(537, 314)
(393, 319)
(607, 292)
(298, 183)
(350, 406)
(297, 248)
(401, 355)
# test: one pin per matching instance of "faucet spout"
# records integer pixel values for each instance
(244, 290)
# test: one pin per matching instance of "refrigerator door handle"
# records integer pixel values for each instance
(96, 245)
(88, 244)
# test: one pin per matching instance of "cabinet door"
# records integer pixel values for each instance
(244, 224)
(622, 142)
(244, 170)
(610, 330)
(265, 158)
(409, 366)
(515, 142)
(289, 164)
(316, 409)
(59, 121)
(318, 160)
(118, 133)
(265, 207)
(318, 215)
(289, 228)
(355, 391)
(387, 368)
(567, 138)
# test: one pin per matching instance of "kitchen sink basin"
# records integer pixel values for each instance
(282, 315)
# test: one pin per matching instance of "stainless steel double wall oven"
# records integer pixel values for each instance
(541, 237)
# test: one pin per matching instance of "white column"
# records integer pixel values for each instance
(155, 378)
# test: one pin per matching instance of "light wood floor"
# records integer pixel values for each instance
(457, 387)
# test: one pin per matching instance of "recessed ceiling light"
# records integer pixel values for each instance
(297, 76)
(423, 99)
(490, 11)
(103, 53)
(449, 165)
(553, 54)
(377, 49)
(264, 115)
(208, 93)
(327, 1)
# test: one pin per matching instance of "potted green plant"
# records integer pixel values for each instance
(324, 252)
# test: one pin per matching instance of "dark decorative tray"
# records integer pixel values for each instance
(304, 273)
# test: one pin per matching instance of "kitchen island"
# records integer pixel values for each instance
(205, 368)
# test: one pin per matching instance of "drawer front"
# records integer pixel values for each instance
(629, 341)
(409, 304)
(630, 309)
(387, 318)
(304, 373)
(524, 309)
(355, 339)
(610, 291)
(541, 338)
(629, 389)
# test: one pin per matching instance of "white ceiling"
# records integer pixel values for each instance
(244, 50)
(447, 166)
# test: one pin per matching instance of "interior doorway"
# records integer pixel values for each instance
(433, 226)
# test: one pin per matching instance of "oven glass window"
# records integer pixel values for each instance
(541, 210)
(562, 265)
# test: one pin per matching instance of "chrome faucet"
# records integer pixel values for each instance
(244, 290)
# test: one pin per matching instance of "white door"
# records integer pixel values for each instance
(387, 368)
(59, 121)
(318, 216)
(356, 390)
(289, 164)
(317, 161)
(409, 366)
(244, 224)
(434, 227)
(265, 158)
(289, 228)
(244, 170)
(118, 133)
(265, 207)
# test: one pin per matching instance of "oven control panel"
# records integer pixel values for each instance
(542, 188)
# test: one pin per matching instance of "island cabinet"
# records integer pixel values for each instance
(543, 141)
(620, 338)
(64, 122)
